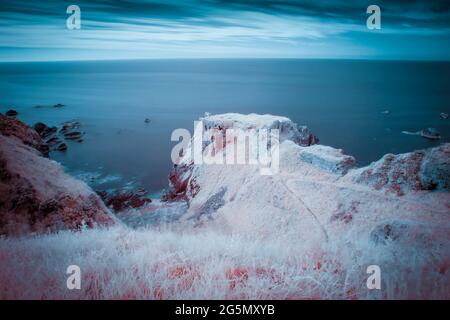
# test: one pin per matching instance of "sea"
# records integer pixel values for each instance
(359, 106)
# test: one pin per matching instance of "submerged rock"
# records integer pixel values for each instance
(430, 133)
(70, 125)
(62, 147)
(58, 105)
(11, 113)
(44, 130)
(69, 133)
(48, 132)
(54, 137)
(75, 135)
(40, 127)
(53, 141)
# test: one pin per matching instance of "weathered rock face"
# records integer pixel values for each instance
(307, 232)
(120, 201)
(183, 186)
(419, 170)
(288, 130)
(394, 213)
(13, 127)
(328, 158)
(36, 196)
(435, 168)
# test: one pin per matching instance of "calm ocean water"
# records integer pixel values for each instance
(342, 102)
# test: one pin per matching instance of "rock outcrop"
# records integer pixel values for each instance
(418, 170)
(394, 213)
(310, 230)
(421, 170)
(36, 196)
(54, 137)
(12, 127)
(183, 185)
(122, 200)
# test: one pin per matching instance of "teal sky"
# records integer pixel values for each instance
(411, 30)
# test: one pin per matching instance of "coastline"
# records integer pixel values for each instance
(292, 236)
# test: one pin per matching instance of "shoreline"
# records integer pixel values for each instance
(232, 233)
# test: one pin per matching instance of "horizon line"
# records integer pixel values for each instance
(230, 58)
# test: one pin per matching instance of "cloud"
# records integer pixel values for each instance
(219, 28)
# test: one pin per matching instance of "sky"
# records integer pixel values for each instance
(152, 29)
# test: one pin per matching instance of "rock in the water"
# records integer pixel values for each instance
(147, 120)
(69, 134)
(66, 131)
(40, 127)
(53, 141)
(11, 113)
(45, 131)
(62, 147)
(74, 135)
(50, 131)
(430, 133)
(58, 105)
(70, 125)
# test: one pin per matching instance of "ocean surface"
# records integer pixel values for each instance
(343, 102)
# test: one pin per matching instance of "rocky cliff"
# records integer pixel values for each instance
(394, 213)
(310, 230)
(36, 196)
